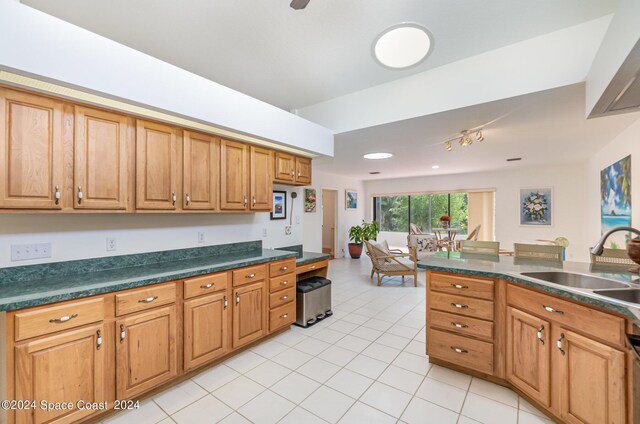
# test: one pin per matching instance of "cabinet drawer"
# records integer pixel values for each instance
(594, 323)
(312, 266)
(145, 298)
(281, 297)
(462, 324)
(466, 286)
(282, 267)
(282, 316)
(48, 320)
(249, 275)
(281, 283)
(204, 285)
(461, 305)
(461, 350)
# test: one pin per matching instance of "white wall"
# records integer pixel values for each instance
(569, 201)
(312, 222)
(84, 236)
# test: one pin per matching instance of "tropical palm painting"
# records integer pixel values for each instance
(615, 201)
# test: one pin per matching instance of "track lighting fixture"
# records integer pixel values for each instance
(479, 136)
(464, 138)
(448, 146)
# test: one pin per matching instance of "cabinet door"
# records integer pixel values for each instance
(261, 179)
(66, 367)
(156, 166)
(529, 354)
(303, 170)
(100, 160)
(201, 170)
(31, 155)
(591, 380)
(249, 313)
(233, 175)
(146, 351)
(284, 167)
(205, 329)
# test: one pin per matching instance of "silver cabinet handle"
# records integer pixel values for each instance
(62, 319)
(459, 306)
(459, 349)
(80, 194)
(284, 283)
(459, 325)
(56, 195)
(249, 275)
(206, 286)
(173, 198)
(550, 309)
(98, 340)
(459, 286)
(187, 199)
(292, 172)
(284, 316)
(244, 200)
(539, 334)
(312, 267)
(284, 268)
(123, 334)
(253, 201)
(237, 299)
(148, 299)
(298, 172)
(560, 343)
(284, 297)
(226, 302)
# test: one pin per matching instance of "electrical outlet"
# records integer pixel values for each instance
(200, 237)
(298, 219)
(23, 252)
(264, 232)
(287, 230)
(112, 245)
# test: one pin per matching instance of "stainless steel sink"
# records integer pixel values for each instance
(575, 280)
(631, 296)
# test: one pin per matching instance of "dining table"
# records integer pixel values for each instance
(451, 234)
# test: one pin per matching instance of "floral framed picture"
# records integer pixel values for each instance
(309, 199)
(279, 210)
(536, 207)
(350, 199)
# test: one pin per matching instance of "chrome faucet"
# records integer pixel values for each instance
(599, 247)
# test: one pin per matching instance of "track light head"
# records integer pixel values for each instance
(448, 146)
(479, 136)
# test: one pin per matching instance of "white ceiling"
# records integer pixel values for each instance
(293, 59)
(543, 128)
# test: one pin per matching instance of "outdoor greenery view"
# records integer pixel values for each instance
(395, 213)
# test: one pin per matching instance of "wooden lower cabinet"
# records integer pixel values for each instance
(66, 367)
(145, 351)
(205, 329)
(249, 317)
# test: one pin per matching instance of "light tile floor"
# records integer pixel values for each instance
(365, 364)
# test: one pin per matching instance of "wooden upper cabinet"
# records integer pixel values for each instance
(201, 171)
(234, 173)
(31, 157)
(303, 170)
(285, 167)
(156, 166)
(100, 160)
(66, 367)
(261, 179)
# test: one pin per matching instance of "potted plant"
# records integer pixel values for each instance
(358, 234)
(445, 221)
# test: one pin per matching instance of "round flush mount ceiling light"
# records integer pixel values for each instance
(402, 46)
(377, 155)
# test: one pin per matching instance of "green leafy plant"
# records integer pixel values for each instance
(358, 234)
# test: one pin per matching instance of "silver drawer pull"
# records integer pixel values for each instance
(123, 333)
(284, 268)
(459, 350)
(539, 334)
(285, 316)
(206, 286)
(459, 286)
(312, 267)
(284, 283)
(284, 297)
(459, 306)
(56, 195)
(249, 275)
(560, 343)
(148, 299)
(62, 319)
(98, 340)
(550, 309)
(459, 325)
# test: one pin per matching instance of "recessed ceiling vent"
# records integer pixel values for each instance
(374, 172)
(299, 4)
(513, 159)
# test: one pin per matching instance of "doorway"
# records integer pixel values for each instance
(329, 204)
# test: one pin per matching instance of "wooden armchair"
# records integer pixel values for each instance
(385, 262)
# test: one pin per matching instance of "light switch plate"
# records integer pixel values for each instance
(23, 252)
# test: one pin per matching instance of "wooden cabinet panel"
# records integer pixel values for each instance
(282, 316)
(145, 298)
(284, 167)
(31, 156)
(201, 171)
(282, 282)
(529, 354)
(466, 286)
(156, 166)
(460, 350)
(233, 175)
(100, 160)
(145, 351)
(249, 274)
(279, 298)
(205, 329)
(303, 170)
(460, 324)
(282, 267)
(261, 186)
(205, 284)
(67, 367)
(462, 305)
(313, 266)
(591, 380)
(249, 313)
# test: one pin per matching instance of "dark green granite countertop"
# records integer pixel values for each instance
(50, 286)
(511, 269)
(309, 257)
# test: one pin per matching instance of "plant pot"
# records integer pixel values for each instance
(355, 250)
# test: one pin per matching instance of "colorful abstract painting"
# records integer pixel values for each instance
(309, 199)
(536, 206)
(351, 199)
(615, 201)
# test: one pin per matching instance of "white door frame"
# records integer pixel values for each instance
(335, 217)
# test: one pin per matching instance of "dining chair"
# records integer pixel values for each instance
(473, 235)
(480, 247)
(538, 251)
(612, 257)
(414, 229)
